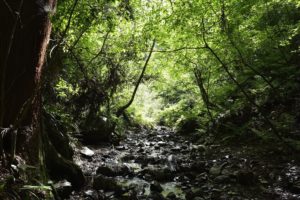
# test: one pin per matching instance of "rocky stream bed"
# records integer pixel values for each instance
(159, 164)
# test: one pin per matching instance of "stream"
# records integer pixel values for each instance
(159, 164)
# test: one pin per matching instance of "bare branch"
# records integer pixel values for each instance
(123, 108)
(178, 49)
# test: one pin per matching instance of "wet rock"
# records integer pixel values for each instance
(63, 188)
(222, 179)
(155, 196)
(92, 194)
(86, 152)
(172, 163)
(216, 170)
(198, 148)
(113, 170)
(159, 174)
(106, 184)
(171, 196)
(156, 187)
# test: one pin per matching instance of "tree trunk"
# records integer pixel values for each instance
(24, 36)
(204, 95)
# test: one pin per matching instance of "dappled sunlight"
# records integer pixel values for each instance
(147, 105)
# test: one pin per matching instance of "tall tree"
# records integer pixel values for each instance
(24, 36)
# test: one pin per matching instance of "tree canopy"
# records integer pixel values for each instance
(211, 60)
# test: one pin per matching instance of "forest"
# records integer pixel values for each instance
(150, 99)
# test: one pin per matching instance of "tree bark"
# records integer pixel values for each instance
(24, 36)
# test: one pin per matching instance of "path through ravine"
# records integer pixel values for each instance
(159, 164)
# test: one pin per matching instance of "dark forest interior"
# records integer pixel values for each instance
(149, 100)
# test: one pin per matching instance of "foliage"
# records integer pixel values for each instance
(246, 55)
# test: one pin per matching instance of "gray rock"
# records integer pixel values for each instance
(63, 188)
(87, 152)
(217, 169)
(92, 194)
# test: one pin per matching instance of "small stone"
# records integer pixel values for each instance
(120, 148)
(91, 194)
(63, 188)
(162, 144)
(215, 170)
(87, 152)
